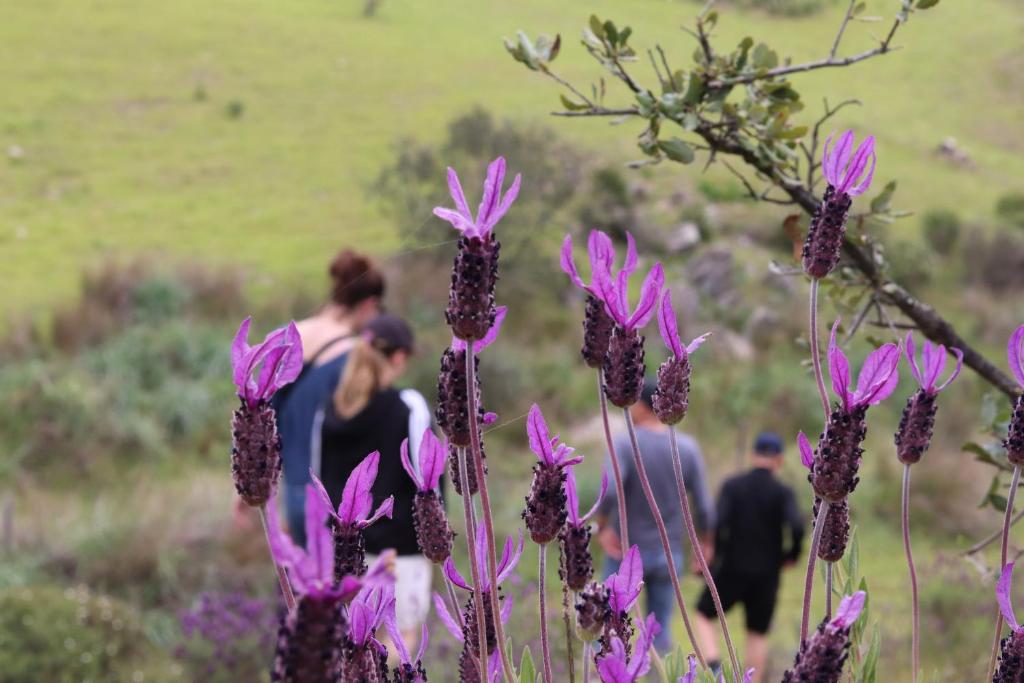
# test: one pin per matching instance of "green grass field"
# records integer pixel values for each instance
(118, 136)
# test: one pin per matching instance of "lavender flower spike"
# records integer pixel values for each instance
(918, 422)
(617, 666)
(353, 515)
(433, 533)
(1011, 652)
(469, 673)
(1015, 436)
(470, 311)
(409, 670)
(506, 565)
(672, 399)
(545, 511)
(624, 364)
(577, 562)
(365, 656)
(822, 656)
(609, 608)
(846, 179)
(259, 371)
(597, 324)
(834, 470)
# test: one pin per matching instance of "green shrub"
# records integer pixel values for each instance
(73, 636)
(942, 230)
(1010, 208)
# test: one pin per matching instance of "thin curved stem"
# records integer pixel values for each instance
(698, 551)
(828, 590)
(282, 575)
(815, 350)
(474, 567)
(456, 610)
(1004, 551)
(915, 652)
(570, 657)
(545, 646)
(659, 521)
(812, 556)
(485, 508)
(586, 661)
(620, 492)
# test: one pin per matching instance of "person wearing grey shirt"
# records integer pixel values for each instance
(655, 450)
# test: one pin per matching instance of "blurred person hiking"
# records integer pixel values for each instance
(754, 512)
(655, 450)
(365, 414)
(357, 286)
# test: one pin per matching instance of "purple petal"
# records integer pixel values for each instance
(911, 352)
(749, 676)
(291, 364)
(839, 369)
(697, 343)
(826, 164)
(1004, 597)
(878, 376)
(454, 576)
(1015, 354)
(649, 293)
(863, 186)
(624, 585)
(934, 360)
(457, 220)
(667, 325)
(506, 609)
(268, 373)
(569, 265)
(239, 350)
(640, 663)
(605, 288)
(849, 610)
(956, 371)
(537, 432)
(806, 452)
(458, 196)
(385, 509)
(407, 464)
(611, 669)
(572, 500)
(841, 155)
(281, 546)
(492, 333)
(424, 639)
(629, 265)
(446, 618)
(504, 206)
(600, 496)
(489, 418)
(600, 250)
(691, 675)
(360, 622)
(509, 558)
(492, 192)
(356, 498)
(319, 539)
(860, 158)
(432, 459)
(396, 638)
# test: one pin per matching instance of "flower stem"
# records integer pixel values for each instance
(620, 493)
(815, 350)
(456, 609)
(698, 551)
(282, 575)
(812, 556)
(915, 652)
(828, 590)
(586, 661)
(485, 507)
(569, 655)
(545, 646)
(1014, 482)
(474, 567)
(645, 484)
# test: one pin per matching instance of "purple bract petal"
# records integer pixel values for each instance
(445, 616)
(878, 376)
(457, 220)
(668, 327)
(600, 496)
(697, 343)
(356, 498)
(1015, 354)
(649, 293)
(806, 451)
(454, 576)
(385, 509)
(625, 584)
(432, 459)
(408, 466)
(839, 369)
(1004, 596)
(509, 558)
(537, 432)
(569, 265)
(865, 151)
(849, 610)
(956, 371)
(910, 351)
(691, 675)
(458, 196)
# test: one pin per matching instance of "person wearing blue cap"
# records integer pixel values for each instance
(754, 512)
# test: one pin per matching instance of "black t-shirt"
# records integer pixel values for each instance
(754, 510)
(388, 419)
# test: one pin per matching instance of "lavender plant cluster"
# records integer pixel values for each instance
(224, 633)
(337, 606)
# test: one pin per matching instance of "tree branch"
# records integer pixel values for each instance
(842, 27)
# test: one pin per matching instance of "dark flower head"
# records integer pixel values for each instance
(469, 637)
(1011, 653)
(409, 670)
(545, 511)
(918, 421)
(278, 358)
(672, 398)
(492, 205)
(1014, 442)
(835, 465)
(618, 666)
(836, 533)
(309, 642)
(452, 410)
(433, 533)
(592, 611)
(822, 656)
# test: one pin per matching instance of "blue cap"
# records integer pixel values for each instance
(768, 443)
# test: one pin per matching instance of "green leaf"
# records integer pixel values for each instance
(677, 150)
(690, 121)
(611, 32)
(926, 4)
(764, 57)
(596, 27)
(527, 669)
(572, 106)
(998, 501)
(883, 202)
(793, 133)
(858, 9)
(869, 666)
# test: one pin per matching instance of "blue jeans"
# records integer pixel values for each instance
(295, 512)
(659, 596)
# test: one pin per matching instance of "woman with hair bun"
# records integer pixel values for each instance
(357, 287)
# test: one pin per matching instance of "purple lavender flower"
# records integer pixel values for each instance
(821, 657)
(365, 657)
(1011, 652)
(672, 398)
(615, 665)
(452, 410)
(468, 669)
(470, 311)
(918, 421)
(593, 611)
(409, 670)
(834, 467)
(691, 675)
(433, 533)
(506, 565)
(597, 324)
(624, 588)
(624, 364)
(577, 566)
(545, 511)
(256, 446)
(844, 176)
(836, 532)
(353, 515)
(1015, 436)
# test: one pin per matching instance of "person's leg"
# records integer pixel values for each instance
(707, 634)
(759, 601)
(660, 600)
(757, 655)
(706, 621)
(412, 598)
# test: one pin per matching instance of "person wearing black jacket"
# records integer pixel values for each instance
(755, 510)
(366, 414)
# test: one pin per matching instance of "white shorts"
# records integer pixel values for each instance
(413, 584)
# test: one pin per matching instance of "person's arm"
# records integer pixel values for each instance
(795, 521)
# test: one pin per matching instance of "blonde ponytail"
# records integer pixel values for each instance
(361, 379)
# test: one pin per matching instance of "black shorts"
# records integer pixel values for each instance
(756, 592)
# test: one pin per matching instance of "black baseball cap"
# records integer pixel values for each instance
(388, 333)
(647, 393)
(768, 443)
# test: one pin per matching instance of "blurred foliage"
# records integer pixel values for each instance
(73, 635)
(789, 8)
(942, 228)
(227, 637)
(1010, 207)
